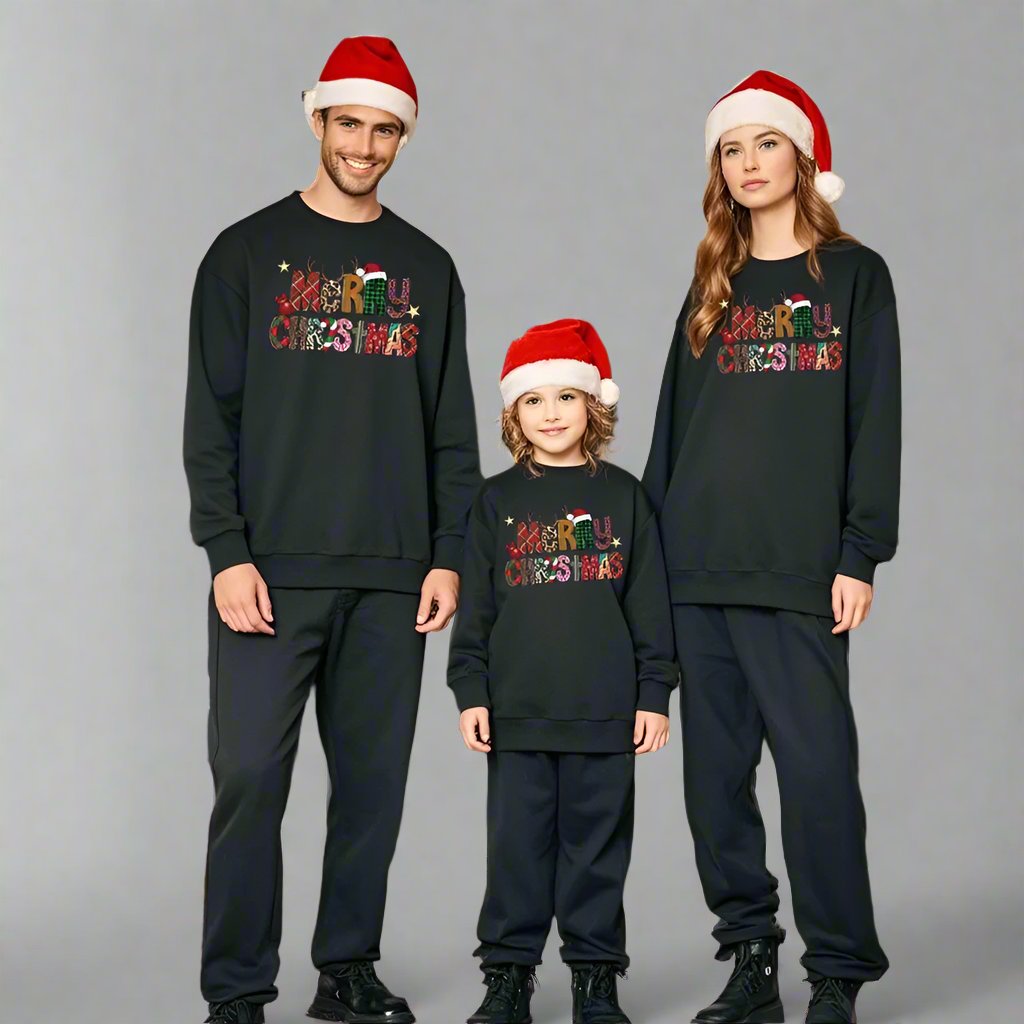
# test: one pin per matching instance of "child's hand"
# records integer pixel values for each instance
(652, 729)
(475, 726)
(851, 602)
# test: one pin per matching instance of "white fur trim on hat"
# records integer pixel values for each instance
(566, 373)
(829, 185)
(758, 106)
(364, 92)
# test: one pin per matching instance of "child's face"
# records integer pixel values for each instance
(554, 419)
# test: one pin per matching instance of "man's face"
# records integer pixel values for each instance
(359, 145)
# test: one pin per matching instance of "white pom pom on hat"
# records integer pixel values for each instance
(767, 98)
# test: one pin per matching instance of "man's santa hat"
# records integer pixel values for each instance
(367, 71)
(767, 98)
(564, 353)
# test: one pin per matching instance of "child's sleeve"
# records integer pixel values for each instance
(467, 653)
(648, 610)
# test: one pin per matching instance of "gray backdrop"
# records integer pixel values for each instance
(559, 159)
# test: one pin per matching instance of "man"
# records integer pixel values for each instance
(331, 454)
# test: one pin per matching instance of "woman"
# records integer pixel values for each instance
(775, 470)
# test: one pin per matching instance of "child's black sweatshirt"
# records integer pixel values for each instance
(329, 434)
(564, 627)
(775, 462)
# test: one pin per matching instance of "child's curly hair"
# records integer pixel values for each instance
(601, 420)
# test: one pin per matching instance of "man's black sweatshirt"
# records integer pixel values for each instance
(329, 434)
(564, 628)
(775, 462)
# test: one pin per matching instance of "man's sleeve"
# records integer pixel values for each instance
(213, 406)
(474, 620)
(456, 458)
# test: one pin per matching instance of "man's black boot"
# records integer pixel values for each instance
(509, 987)
(594, 997)
(751, 995)
(236, 1011)
(354, 994)
(832, 1001)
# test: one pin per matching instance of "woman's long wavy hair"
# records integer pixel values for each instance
(726, 245)
(597, 437)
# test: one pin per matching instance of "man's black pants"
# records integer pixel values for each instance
(360, 651)
(751, 674)
(559, 839)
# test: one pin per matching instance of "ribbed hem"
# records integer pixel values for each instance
(567, 736)
(448, 553)
(366, 572)
(470, 692)
(853, 562)
(768, 589)
(653, 697)
(227, 549)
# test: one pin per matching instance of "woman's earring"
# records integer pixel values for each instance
(732, 206)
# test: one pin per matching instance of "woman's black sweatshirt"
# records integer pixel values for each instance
(564, 627)
(329, 434)
(775, 462)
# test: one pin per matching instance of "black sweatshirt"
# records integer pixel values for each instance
(564, 627)
(775, 462)
(329, 434)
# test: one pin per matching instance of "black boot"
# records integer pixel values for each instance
(354, 994)
(594, 998)
(509, 987)
(237, 1011)
(751, 995)
(832, 1001)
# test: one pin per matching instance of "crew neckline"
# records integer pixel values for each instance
(544, 466)
(322, 218)
(781, 259)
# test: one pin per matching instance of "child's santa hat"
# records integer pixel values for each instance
(767, 98)
(565, 353)
(367, 71)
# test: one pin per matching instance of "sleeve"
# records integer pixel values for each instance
(873, 444)
(456, 458)
(670, 418)
(648, 612)
(474, 619)
(218, 328)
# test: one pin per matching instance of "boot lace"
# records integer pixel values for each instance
(834, 992)
(229, 1012)
(359, 970)
(750, 970)
(502, 988)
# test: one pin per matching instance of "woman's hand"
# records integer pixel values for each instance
(650, 731)
(851, 602)
(475, 726)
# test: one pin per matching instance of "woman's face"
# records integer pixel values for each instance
(554, 419)
(759, 165)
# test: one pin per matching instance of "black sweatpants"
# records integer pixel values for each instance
(559, 838)
(360, 651)
(751, 674)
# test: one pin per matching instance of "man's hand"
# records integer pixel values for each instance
(439, 597)
(243, 600)
(652, 729)
(475, 726)
(851, 602)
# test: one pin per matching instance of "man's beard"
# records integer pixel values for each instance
(351, 186)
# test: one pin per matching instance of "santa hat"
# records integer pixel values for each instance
(770, 99)
(797, 300)
(372, 272)
(367, 71)
(566, 353)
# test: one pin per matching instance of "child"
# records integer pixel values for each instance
(562, 663)
(775, 469)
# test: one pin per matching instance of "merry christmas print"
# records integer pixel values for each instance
(319, 313)
(571, 549)
(794, 318)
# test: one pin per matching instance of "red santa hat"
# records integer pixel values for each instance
(565, 353)
(767, 98)
(367, 71)
(372, 272)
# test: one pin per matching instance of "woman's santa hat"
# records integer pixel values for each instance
(367, 71)
(767, 98)
(564, 353)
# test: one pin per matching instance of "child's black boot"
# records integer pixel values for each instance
(832, 1001)
(236, 1011)
(509, 987)
(594, 996)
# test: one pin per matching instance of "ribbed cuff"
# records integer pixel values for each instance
(853, 562)
(653, 697)
(470, 692)
(227, 549)
(448, 553)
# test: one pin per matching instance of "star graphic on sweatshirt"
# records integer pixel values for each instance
(414, 311)
(836, 332)
(616, 542)
(282, 266)
(508, 520)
